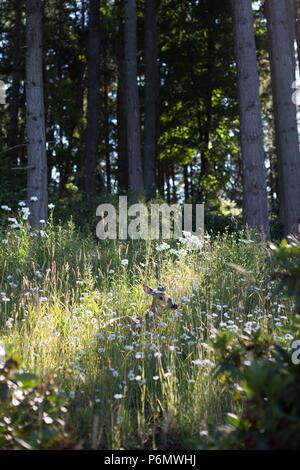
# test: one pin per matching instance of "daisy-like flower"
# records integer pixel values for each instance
(6, 208)
(34, 199)
(118, 396)
(124, 263)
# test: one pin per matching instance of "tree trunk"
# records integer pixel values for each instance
(135, 169)
(106, 119)
(37, 189)
(121, 112)
(291, 21)
(283, 76)
(14, 105)
(151, 97)
(93, 112)
(255, 203)
(297, 28)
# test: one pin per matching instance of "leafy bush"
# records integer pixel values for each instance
(261, 376)
(31, 411)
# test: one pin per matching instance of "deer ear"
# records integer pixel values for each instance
(147, 289)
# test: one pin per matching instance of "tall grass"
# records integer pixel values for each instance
(74, 306)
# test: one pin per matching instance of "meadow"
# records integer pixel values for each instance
(74, 308)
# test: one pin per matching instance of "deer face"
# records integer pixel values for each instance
(160, 298)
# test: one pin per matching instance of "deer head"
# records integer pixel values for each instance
(160, 299)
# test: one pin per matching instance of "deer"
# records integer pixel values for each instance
(160, 299)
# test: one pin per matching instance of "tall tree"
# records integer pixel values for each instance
(151, 97)
(14, 103)
(297, 28)
(255, 203)
(37, 188)
(135, 168)
(93, 113)
(283, 76)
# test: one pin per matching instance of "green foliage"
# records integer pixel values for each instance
(32, 412)
(258, 370)
(287, 258)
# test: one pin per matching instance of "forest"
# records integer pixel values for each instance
(150, 343)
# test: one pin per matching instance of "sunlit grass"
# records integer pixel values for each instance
(72, 306)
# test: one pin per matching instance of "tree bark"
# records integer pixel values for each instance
(37, 189)
(121, 111)
(297, 28)
(14, 105)
(135, 169)
(283, 76)
(151, 97)
(255, 204)
(93, 112)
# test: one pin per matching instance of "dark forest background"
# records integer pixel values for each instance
(146, 97)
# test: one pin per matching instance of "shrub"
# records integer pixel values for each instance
(258, 370)
(31, 411)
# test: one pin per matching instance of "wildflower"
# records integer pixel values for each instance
(21, 203)
(34, 199)
(288, 337)
(9, 323)
(112, 337)
(118, 396)
(114, 372)
(155, 377)
(101, 350)
(124, 262)
(139, 355)
(99, 336)
(51, 206)
(6, 208)
(162, 247)
(203, 362)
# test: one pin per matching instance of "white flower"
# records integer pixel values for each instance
(162, 247)
(203, 362)
(34, 199)
(22, 203)
(51, 206)
(114, 372)
(155, 377)
(43, 234)
(289, 337)
(6, 208)
(138, 355)
(124, 262)
(118, 396)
